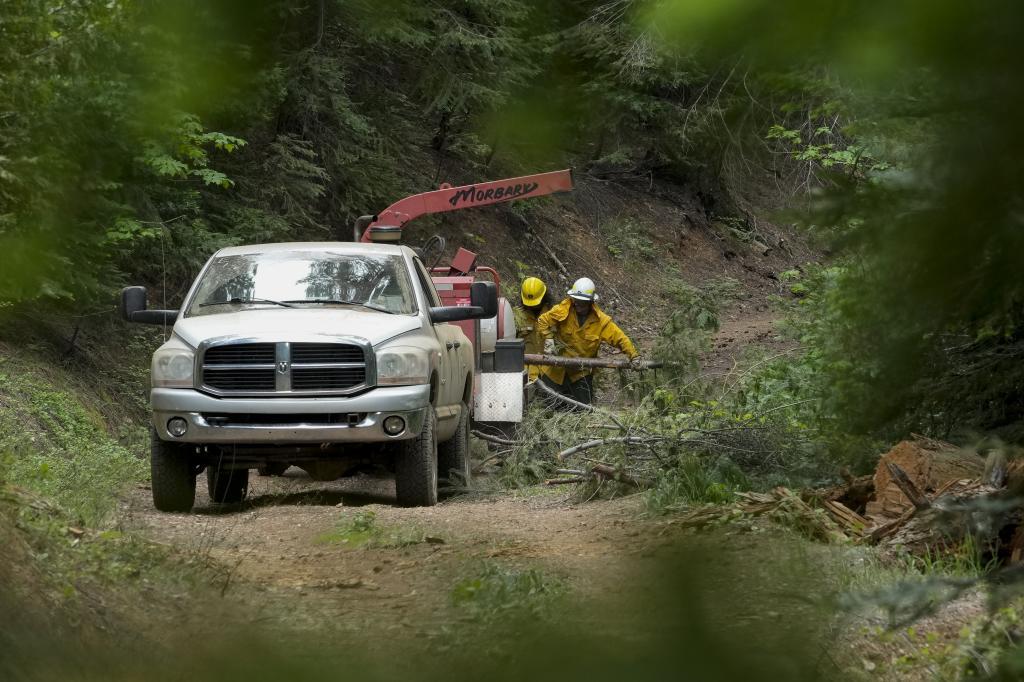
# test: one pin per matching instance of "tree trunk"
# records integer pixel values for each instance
(585, 363)
(928, 465)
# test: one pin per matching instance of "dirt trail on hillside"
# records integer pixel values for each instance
(280, 543)
(740, 331)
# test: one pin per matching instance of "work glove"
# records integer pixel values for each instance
(636, 362)
(549, 347)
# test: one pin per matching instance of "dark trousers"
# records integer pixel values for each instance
(581, 391)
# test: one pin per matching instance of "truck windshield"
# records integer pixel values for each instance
(305, 280)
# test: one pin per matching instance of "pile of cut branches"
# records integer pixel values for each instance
(925, 496)
(586, 444)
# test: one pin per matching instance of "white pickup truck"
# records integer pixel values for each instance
(319, 355)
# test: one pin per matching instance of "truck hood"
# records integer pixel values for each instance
(285, 324)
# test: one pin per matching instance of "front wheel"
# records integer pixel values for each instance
(173, 475)
(453, 461)
(416, 467)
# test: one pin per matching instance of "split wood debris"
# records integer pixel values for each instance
(925, 496)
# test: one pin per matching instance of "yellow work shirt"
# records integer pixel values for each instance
(526, 329)
(580, 341)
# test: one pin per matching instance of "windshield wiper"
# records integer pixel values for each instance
(247, 300)
(338, 301)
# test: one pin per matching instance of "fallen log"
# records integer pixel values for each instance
(888, 528)
(587, 363)
(929, 464)
(566, 481)
(962, 509)
(605, 471)
(600, 472)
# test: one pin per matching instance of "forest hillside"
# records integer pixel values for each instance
(809, 217)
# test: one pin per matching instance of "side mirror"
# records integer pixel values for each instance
(133, 300)
(133, 308)
(484, 295)
(483, 298)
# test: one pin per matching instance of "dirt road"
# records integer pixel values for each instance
(293, 568)
(285, 543)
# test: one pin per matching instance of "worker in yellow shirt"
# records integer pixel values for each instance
(580, 327)
(536, 302)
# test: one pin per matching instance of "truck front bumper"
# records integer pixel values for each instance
(283, 421)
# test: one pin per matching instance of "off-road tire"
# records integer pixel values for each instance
(453, 454)
(416, 467)
(226, 486)
(173, 475)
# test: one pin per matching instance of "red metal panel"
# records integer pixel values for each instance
(454, 290)
(468, 196)
(464, 261)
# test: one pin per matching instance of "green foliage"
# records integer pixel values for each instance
(988, 646)
(966, 559)
(95, 139)
(827, 155)
(184, 152)
(362, 530)
(925, 321)
(110, 161)
(541, 430)
(695, 318)
(694, 480)
(629, 241)
(76, 557)
(54, 445)
(498, 592)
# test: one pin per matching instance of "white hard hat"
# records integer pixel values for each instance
(583, 290)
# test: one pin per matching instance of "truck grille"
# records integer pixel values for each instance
(242, 354)
(249, 379)
(304, 379)
(284, 368)
(305, 353)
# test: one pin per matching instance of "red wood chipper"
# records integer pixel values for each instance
(498, 390)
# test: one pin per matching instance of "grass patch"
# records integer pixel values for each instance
(362, 530)
(498, 591)
(50, 442)
(966, 560)
(628, 240)
(695, 480)
(70, 564)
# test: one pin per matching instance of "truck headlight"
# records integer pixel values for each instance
(173, 368)
(402, 366)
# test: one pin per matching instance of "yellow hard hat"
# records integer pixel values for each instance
(533, 291)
